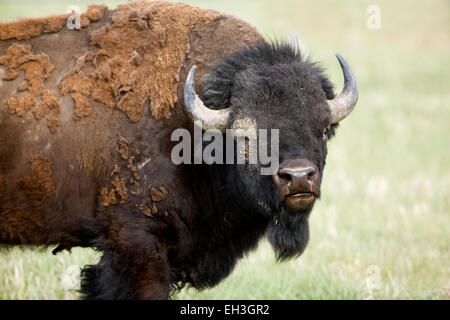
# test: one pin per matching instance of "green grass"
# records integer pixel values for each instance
(386, 189)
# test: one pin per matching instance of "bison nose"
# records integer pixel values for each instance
(298, 177)
(297, 183)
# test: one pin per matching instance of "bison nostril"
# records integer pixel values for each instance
(285, 176)
(310, 173)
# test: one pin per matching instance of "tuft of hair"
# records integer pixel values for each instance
(104, 281)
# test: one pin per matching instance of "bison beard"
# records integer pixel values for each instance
(288, 235)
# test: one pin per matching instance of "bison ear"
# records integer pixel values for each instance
(216, 93)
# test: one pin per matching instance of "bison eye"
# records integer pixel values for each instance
(325, 133)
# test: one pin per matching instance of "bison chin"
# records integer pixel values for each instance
(288, 235)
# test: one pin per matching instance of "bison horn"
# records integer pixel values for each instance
(343, 104)
(211, 119)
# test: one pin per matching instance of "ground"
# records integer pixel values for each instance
(381, 230)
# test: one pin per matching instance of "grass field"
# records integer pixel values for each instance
(381, 230)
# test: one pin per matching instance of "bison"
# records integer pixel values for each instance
(88, 106)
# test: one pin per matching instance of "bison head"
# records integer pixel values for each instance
(274, 87)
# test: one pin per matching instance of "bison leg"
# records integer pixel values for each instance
(134, 265)
(114, 280)
(104, 281)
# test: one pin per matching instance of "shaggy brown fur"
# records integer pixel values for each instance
(27, 28)
(139, 57)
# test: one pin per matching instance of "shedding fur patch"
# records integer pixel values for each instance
(158, 194)
(137, 59)
(140, 55)
(50, 107)
(120, 185)
(27, 28)
(148, 209)
(118, 191)
(37, 68)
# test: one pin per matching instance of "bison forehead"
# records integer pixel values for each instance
(271, 83)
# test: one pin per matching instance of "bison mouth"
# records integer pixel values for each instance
(297, 185)
(299, 202)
